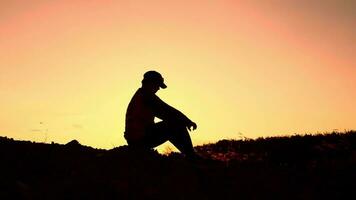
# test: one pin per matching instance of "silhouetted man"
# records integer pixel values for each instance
(140, 129)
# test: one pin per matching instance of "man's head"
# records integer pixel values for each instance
(153, 80)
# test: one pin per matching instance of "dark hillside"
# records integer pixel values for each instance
(297, 167)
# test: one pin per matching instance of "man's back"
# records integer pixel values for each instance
(139, 116)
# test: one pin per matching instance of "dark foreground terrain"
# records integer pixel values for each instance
(298, 167)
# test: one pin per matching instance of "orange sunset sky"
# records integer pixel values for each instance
(69, 68)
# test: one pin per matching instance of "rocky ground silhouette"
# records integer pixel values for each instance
(299, 167)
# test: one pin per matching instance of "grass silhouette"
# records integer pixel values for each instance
(297, 167)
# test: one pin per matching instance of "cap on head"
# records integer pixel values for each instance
(153, 76)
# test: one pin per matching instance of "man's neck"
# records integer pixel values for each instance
(146, 90)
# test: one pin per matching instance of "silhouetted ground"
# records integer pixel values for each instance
(298, 167)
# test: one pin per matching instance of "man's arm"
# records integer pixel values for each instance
(166, 112)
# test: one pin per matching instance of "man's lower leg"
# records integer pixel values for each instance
(183, 142)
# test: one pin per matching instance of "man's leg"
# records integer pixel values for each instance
(176, 133)
(181, 139)
(156, 135)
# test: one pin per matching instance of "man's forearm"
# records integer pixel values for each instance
(167, 112)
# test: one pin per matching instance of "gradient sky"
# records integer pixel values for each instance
(68, 69)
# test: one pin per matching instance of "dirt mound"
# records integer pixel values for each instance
(298, 167)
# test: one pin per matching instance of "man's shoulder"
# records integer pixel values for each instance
(147, 98)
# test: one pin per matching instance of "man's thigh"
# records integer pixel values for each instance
(158, 134)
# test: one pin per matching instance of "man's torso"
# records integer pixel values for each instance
(139, 116)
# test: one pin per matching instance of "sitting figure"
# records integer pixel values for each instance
(140, 129)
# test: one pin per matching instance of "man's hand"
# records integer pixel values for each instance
(191, 125)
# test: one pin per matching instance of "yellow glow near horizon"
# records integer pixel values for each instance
(69, 68)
